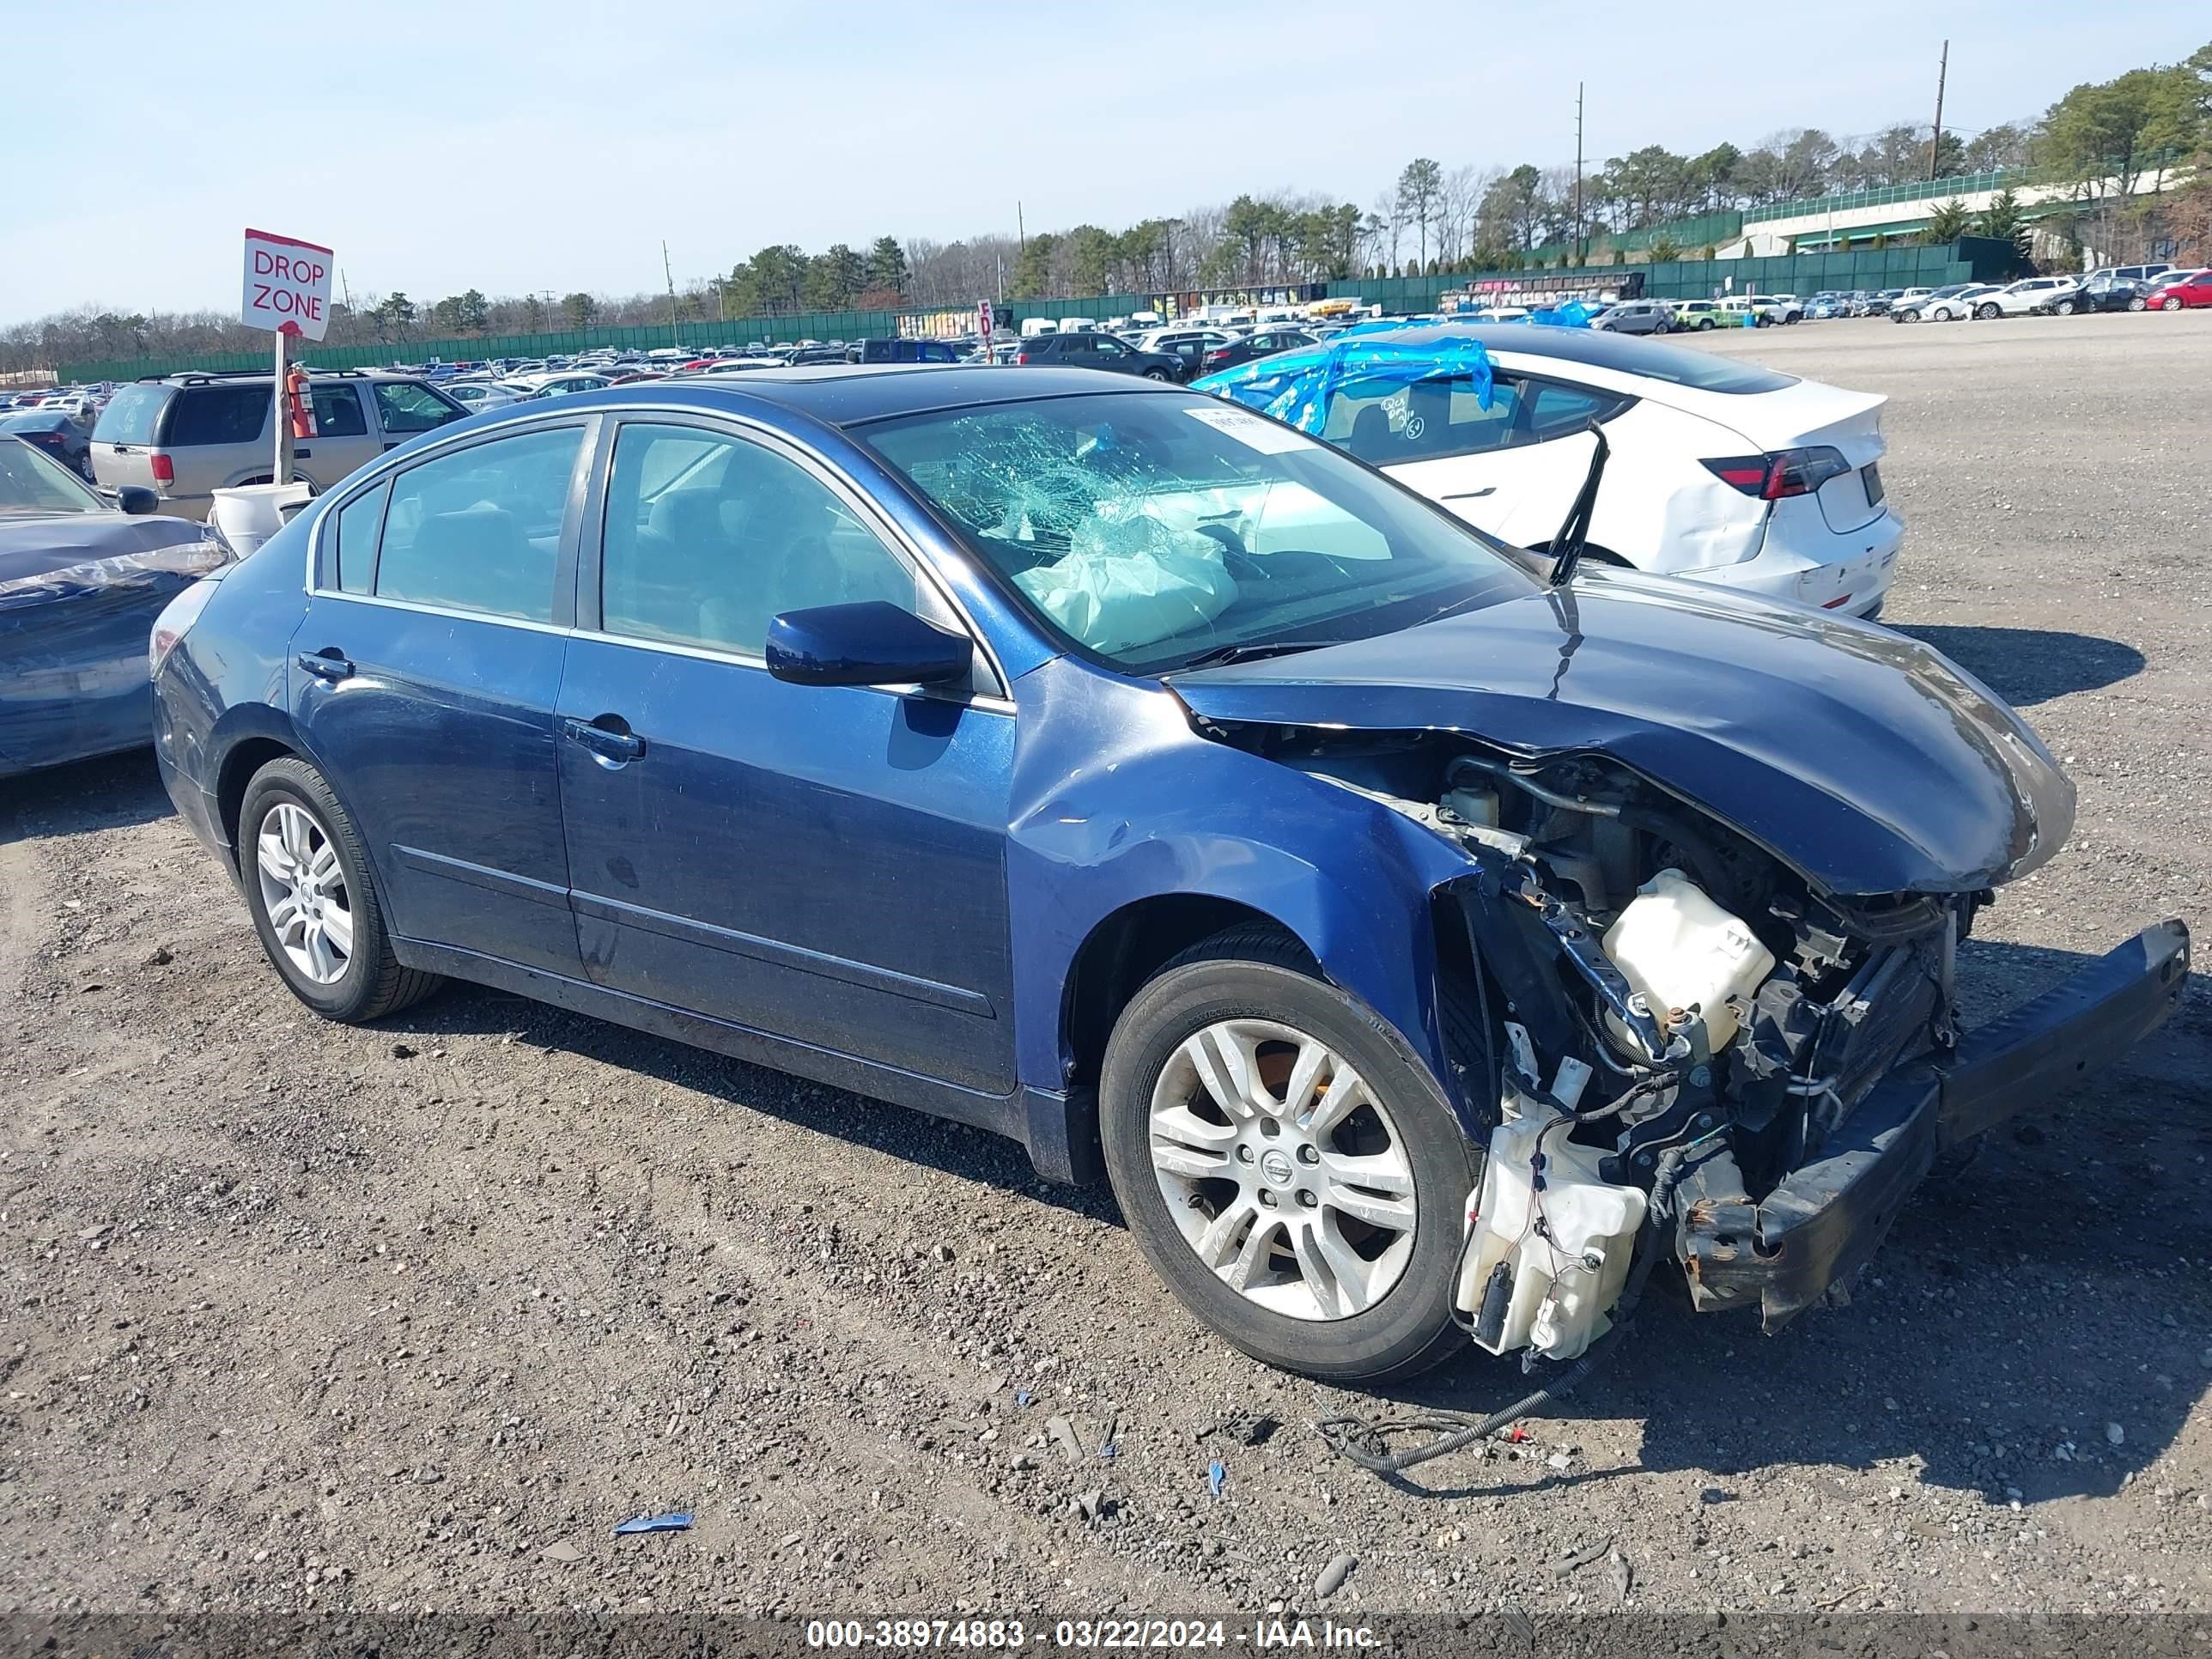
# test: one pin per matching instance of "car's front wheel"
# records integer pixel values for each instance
(1155, 374)
(2063, 308)
(2172, 304)
(1704, 323)
(1985, 312)
(308, 887)
(1293, 1174)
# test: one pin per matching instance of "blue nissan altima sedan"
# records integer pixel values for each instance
(1423, 936)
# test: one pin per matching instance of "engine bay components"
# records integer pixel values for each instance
(1549, 1240)
(1682, 951)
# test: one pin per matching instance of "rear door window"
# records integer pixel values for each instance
(404, 408)
(359, 520)
(219, 415)
(337, 412)
(1556, 410)
(480, 529)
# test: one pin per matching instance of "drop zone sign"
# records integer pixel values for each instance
(288, 285)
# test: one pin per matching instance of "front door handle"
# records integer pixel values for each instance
(608, 736)
(328, 664)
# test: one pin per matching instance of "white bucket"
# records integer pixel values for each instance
(249, 514)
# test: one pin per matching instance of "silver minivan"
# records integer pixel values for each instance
(185, 436)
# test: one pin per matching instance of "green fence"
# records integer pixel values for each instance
(1970, 260)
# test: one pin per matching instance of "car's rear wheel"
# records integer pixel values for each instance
(1294, 1175)
(314, 906)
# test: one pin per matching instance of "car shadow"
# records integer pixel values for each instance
(2029, 665)
(955, 1149)
(83, 797)
(2051, 1288)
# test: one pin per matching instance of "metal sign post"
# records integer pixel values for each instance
(281, 414)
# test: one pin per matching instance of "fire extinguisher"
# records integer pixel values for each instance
(303, 411)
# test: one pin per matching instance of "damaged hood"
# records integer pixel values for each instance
(1869, 762)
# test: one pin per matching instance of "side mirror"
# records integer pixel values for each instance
(873, 642)
(136, 500)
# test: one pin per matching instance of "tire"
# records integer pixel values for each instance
(2063, 308)
(1704, 323)
(1664, 328)
(1249, 978)
(1160, 375)
(1985, 312)
(369, 982)
(2138, 303)
(2171, 304)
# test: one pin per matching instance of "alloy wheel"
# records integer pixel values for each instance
(303, 891)
(1284, 1173)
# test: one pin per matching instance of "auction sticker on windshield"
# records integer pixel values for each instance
(1248, 429)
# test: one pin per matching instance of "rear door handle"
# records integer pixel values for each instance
(326, 663)
(1471, 494)
(303, 454)
(610, 741)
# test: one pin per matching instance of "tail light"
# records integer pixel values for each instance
(165, 470)
(176, 620)
(1021, 356)
(1781, 473)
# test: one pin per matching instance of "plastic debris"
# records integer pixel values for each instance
(1334, 1575)
(1107, 1446)
(1624, 1574)
(1062, 1434)
(1022, 1398)
(562, 1552)
(1575, 1560)
(655, 1523)
(1217, 1477)
(1251, 1428)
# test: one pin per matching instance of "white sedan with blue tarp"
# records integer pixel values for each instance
(1719, 471)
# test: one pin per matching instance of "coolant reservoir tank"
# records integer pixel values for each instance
(1681, 949)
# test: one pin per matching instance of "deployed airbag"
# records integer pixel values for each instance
(1130, 580)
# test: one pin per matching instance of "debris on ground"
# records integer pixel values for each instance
(1334, 1575)
(562, 1552)
(1247, 1428)
(1624, 1574)
(1061, 1432)
(1217, 1477)
(1576, 1560)
(654, 1524)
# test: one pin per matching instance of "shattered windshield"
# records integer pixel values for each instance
(1153, 529)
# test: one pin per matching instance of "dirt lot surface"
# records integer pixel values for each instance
(300, 1316)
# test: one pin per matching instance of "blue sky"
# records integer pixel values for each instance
(523, 147)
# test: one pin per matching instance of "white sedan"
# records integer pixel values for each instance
(1720, 471)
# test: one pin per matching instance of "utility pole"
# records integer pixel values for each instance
(1935, 141)
(668, 271)
(1578, 172)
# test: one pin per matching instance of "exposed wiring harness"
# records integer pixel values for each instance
(1350, 1436)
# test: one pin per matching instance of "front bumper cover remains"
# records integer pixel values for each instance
(1821, 1225)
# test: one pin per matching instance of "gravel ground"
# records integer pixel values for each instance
(301, 1316)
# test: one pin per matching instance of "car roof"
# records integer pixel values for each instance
(849, 394)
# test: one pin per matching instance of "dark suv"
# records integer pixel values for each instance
(1088, 350)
